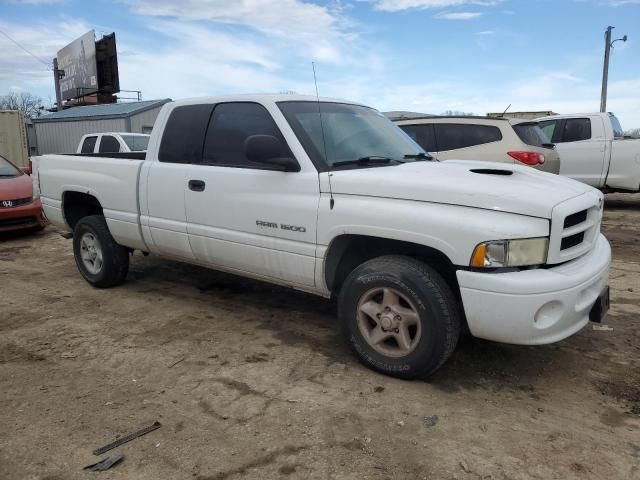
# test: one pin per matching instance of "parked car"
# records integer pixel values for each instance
(329, 197)
(595, 151)
(112, 142)
(20, 207)
(483, 138)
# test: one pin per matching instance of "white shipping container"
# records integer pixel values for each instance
(13, 137)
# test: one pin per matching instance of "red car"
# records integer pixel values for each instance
(19, 208)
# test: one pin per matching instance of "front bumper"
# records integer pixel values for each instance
(23, 217)
(535, 307)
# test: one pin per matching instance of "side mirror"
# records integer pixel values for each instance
(270, 150)
(26, 170)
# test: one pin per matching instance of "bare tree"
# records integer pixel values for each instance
(456, 113)
(30, 105)
(634, 132)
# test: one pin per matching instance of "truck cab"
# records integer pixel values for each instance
(113, 142)
(329, 197)
(594, 150)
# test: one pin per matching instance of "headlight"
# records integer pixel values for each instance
(510, 253)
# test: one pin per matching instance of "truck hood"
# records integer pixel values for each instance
(16, 187)
(487, 185)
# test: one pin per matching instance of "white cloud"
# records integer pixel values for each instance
(43, 40)
(398, 5)
(459, 15)
(320, 29)
(487, 32)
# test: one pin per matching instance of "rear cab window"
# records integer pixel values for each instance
(617, 128)
(136, 143)
(88, 144)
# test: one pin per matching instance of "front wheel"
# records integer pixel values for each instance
(399, 316)
(101, 261)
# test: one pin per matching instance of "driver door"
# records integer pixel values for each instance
(247, 217)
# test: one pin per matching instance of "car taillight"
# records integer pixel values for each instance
(528, 158)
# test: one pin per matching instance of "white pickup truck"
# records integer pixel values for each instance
(113, 142)
(330, 197)
(594, 150)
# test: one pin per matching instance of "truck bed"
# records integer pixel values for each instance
(112, 181)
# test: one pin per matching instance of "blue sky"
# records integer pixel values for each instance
(421, 55)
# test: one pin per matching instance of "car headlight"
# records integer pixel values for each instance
(510, 253)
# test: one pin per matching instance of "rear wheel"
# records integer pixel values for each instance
(101, 261)
(399, 316)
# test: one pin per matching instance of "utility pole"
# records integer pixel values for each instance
(608, 45)
(57, 75)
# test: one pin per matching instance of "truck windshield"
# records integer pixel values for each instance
(349, 136)
(617, 128)
(7, 169)
(136, 143)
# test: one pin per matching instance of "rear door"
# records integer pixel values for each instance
(581, 145)
(248, 217)
(181, 145)
(466, 141)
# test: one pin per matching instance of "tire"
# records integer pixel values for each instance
(426, 314)
(110, 262)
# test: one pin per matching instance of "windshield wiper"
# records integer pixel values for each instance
(371, 159)
(11, 175)
(419, 156)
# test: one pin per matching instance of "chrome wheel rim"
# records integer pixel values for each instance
(389, 322)
(91, 253)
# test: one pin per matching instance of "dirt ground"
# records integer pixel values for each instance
(253, 381)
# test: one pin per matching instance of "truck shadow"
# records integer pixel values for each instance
(622, 201)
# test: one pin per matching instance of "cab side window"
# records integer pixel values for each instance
(88, 145)
(576, 129)
(184, 134)
(109, 144)
(230, 126)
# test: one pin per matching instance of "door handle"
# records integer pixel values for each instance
(196, 185)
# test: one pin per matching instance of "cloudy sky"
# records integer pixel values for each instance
(421, 55)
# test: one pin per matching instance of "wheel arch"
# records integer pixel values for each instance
(347, 251)
(78, 204)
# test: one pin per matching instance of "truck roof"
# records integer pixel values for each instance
(262, 97)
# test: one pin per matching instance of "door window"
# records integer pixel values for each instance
(109, 144)
(576, 129)
(451, 136)
(423, 135)
(88, 145)
(184, 133)
(231, 124)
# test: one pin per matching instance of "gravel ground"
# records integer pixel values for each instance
(253, 381)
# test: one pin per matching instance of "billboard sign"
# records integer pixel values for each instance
(78, 61)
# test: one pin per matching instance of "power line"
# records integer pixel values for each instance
(27, 51)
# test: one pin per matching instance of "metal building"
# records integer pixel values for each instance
(60, 132)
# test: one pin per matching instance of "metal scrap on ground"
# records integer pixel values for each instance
(127, 438)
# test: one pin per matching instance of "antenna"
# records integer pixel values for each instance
(505, 110)
(324, 141)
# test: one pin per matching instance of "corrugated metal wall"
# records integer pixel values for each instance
(143, 122)
(13, 137)
(63, 137)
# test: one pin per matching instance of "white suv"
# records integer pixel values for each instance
(483, 138)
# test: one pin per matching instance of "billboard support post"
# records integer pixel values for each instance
(56, 78)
